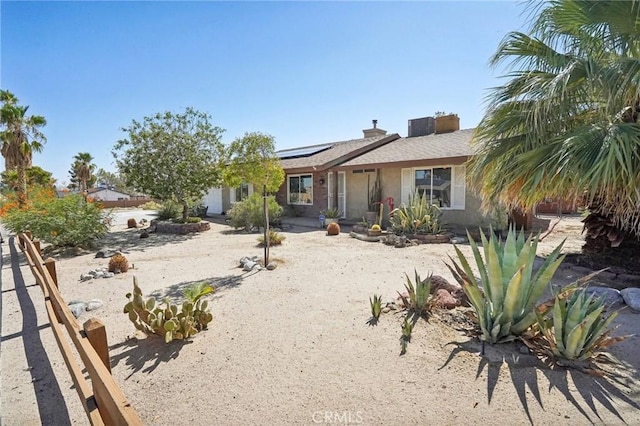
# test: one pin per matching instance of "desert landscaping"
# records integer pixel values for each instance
(292, 345)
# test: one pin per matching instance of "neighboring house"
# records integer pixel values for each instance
(341, 173)
(106, 194)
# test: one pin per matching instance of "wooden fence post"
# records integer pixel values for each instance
(36, 245)
(97, 335)
(50, 264)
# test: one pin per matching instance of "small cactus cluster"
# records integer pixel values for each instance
(131, 223)
(118, 263)
(150, 318)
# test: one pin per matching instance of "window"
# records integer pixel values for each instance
(436, 184)
(242, 192)
(443, 186)
(300, 189)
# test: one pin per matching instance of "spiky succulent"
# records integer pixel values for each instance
(574, 332)
(418, 298)
(376, 305)
(505, 297)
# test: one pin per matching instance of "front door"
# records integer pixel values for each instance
(341, 192)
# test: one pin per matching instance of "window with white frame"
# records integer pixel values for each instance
(300, 189)
(443, 186)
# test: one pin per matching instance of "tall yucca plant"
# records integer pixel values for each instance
(505, 297)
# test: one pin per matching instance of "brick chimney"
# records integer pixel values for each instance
(447, 123)
(373, 132)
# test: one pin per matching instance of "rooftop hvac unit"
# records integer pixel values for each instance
(421, 126)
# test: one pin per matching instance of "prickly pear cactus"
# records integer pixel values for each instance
(150, 318)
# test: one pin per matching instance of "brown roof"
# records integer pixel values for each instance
(336, 153)
(446, 145)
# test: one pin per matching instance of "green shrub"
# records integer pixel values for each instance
(418, 217)
(169, 210)
(62, 222)
(151, 205)
(249, 213)
(275, 239)
(506, 305)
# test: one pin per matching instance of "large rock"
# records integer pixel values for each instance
(631, 297)
(444, 299)
(612, 297)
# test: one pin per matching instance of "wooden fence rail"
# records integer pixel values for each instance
(104, 402)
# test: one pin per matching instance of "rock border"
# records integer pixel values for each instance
(166, 227)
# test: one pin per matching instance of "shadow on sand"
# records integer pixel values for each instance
(524, 372)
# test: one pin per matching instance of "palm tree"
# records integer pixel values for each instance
(565, 123)
(21, 136)
(82, 171)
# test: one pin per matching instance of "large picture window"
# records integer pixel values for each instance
(300, 189)
(443, 186)
(436, 184)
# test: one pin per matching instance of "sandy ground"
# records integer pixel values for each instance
(291, 346)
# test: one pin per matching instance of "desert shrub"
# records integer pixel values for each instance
(151, 205)
(417, 217)
(275, 239)
(169, 210)
(505, 297)
(249, 213)
(169, 322)
(118, 263)
(69, 221)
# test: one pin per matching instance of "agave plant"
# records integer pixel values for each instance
(505, 297)
(376, 306)
(575, 333)
(407, 329)
(417, 217)
(418, 297)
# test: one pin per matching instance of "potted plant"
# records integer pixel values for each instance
(375, 231)
(331, 215)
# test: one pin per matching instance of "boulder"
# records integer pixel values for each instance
(444, 299)
(94, 304)
(631, 297)
(77, 308)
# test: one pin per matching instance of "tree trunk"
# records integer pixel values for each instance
(22, 184)
(266, 226)
(185, 210)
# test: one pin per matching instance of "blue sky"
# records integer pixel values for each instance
(304, 72)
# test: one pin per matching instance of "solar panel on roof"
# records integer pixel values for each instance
(301, 152)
